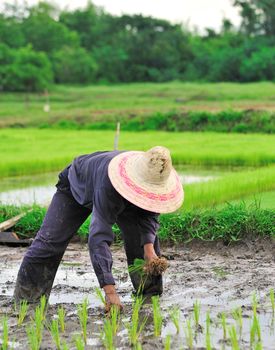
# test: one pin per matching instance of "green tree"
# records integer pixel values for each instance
(260, 66)
(89, 23)
(258, 16)
(44, 32)
(73, 65)
(24, 69)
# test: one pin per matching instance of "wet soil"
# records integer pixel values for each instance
(221, 277)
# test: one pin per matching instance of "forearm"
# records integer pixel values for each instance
(149, 251)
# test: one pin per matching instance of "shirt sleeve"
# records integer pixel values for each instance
(106, 207)
(148, 224)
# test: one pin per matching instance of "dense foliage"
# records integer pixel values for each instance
(231, 223)
(248, 121)
(41, 44)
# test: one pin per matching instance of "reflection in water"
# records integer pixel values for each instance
(39, 189)
(39, 195)
(43, 194)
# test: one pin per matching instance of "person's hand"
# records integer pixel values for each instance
(149, 252)
(154, 265)
(111, 298)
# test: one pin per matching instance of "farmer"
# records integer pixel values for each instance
(127, 188)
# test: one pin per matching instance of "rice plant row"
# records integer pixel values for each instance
(187, 327)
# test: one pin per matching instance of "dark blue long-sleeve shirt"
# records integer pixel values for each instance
(92, 188)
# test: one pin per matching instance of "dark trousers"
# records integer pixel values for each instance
(63, 219)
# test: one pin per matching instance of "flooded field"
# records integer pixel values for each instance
(40, 188)
(221, 277)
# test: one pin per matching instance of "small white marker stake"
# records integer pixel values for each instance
(117, 136)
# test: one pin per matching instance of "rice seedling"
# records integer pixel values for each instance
(255, 329)
(54, 329)
(238, 317)
(258, 346)
(138, 346)
(175, 317)
(100, 295)
(5, 335)
(64, 345)
(254, 303)
(208, 345)
(134, 326)
(207, 334)
(157, 316)
(208, 322)
(33, 340)
(197, 307)
(79, 343)
(272, 301)
(23, 309)
(233, 338)
(38, 322)
(107, 335)
(189, 334)
(167, 342)
(61, 318)
(223, 323)
(83, 318)
(43, 305)
(137, 266)
(114, 316)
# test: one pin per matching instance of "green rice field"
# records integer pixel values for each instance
(29, 151)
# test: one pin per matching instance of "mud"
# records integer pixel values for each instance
(221, 277)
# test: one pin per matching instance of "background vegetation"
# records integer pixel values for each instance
(230, 223)
(42, 44)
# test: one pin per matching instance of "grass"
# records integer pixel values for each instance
(32, 151)
(229, 223)
(265, 200)
(90, 103)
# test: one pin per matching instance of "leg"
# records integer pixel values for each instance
(151, 285)
(39, 266)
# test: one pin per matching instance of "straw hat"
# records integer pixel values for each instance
(147, 179)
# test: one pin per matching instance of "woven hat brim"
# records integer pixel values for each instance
(165, 198)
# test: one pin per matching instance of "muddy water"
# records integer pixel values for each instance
(221, 277)
(40, 188)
